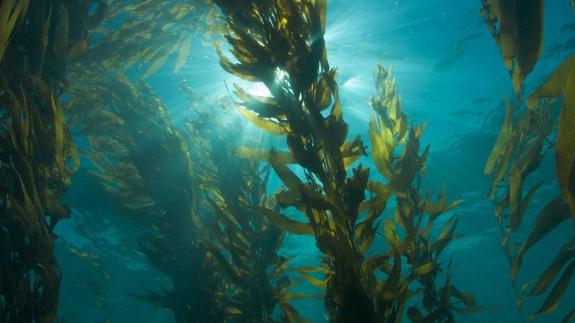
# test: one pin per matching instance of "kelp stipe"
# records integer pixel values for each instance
(37, 41)
(518, 153)
(280, 43)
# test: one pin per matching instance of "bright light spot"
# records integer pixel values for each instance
(279, 75)
(259, 89)
(352, 84)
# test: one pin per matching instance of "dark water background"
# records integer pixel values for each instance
(449, 72)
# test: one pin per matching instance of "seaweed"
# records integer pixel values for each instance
(517, 27)
(280, 43)
(147, 33)
(518, 152)
(37, 41)
(145, 163)
(245, 243)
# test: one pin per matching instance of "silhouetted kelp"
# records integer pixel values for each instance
(37, 41)
(280, 43)
(518, 153)
(194, 202)
(145, 163)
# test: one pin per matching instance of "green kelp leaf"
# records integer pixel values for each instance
(10, 12)
(183, 54)
(285, 223)
(554, 298)
(517, 27)
(547, 220)
(555, 85)
(551, 272)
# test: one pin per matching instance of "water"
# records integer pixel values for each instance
(449, 73)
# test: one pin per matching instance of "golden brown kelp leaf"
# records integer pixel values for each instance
(571, 315)
(502, 145)
(562, 83)
(547, 220)
(517, 27)
(146, 34)
(285, 223)
(280, 44)
(37, 155)
(553, 299)
(245, 231)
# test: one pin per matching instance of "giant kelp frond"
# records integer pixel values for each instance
(144, 162)
(517, 27)
(518, 153)
(397, 155)
(280, 43)
(37, 153)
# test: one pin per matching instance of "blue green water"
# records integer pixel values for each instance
(449, 73)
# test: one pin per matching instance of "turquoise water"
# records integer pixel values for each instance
(449, 73)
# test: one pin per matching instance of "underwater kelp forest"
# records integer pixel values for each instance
(199, 161)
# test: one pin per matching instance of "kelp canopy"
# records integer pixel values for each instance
(218, 202)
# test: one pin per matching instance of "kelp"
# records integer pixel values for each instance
(517, 27)
(518, 153)
(148, 33)
(280, 43)
(245, 243)
(146, 165)
(411, 232)
(38, 158)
